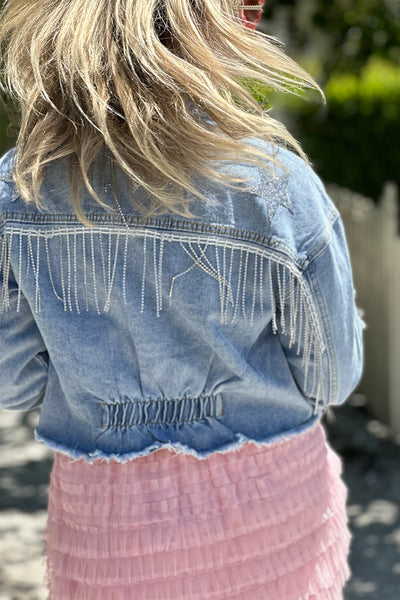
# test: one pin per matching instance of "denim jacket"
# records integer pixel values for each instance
(195, 334)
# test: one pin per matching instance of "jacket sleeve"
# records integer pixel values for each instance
(24, 359)
(334, 325)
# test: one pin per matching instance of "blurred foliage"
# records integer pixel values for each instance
(258, 90)
(355, 140)
(352, 47)
(9, 124)
(357, 28)
(375, 89)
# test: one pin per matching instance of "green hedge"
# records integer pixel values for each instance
(355, 139)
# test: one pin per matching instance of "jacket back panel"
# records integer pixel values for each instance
(196, 334)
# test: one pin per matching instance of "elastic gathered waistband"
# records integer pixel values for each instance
(127, 413)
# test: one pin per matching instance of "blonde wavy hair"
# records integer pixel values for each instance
(118, 78)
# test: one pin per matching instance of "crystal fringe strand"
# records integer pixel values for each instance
(240, 292)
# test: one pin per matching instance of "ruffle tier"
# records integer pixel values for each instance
(257, 523)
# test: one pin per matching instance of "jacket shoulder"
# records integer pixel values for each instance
(6, 161)
(307, 226)
(8, 191)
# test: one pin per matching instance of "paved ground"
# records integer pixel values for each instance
(372, 473)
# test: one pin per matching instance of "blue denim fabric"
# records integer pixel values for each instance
(194, 334)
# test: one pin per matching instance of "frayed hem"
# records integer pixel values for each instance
(178, 448)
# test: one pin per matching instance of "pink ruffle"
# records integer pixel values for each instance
(253, 524)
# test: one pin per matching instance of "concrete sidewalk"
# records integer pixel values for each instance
(371, 471)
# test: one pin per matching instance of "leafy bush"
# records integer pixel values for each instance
(355, 140)
(376, 90)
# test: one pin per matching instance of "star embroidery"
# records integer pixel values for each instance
(273, 189)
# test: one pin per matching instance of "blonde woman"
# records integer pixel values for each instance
(176, 295)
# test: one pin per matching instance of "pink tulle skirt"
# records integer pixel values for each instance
(256, 523)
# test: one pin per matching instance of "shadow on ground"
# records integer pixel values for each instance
(25, 465)
(372, 473)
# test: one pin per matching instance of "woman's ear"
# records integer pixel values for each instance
(251, 16)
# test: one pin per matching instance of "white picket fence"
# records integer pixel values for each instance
(372, 232)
